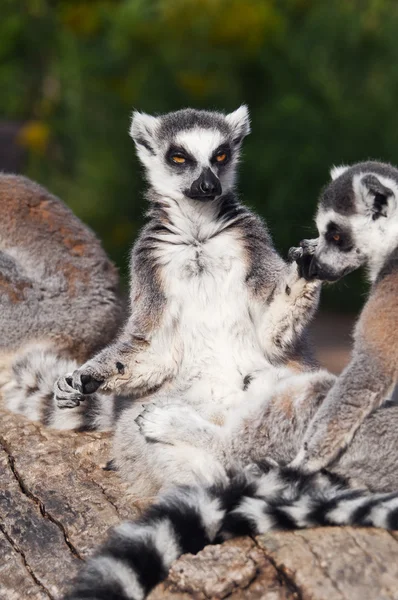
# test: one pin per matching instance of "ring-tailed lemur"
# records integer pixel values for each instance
(358, 225)
(137, 555)
(216, 314)
(59, 301)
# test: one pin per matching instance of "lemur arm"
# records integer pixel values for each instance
(131, 365)
(140, 359)
(362, 387)
(291, 307)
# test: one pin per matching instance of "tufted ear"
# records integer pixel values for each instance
(143, 130)
(337, 171)
(378, 194)
(239, 122)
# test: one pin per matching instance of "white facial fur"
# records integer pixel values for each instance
(200, 142)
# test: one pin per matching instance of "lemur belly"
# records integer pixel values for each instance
(219, 348)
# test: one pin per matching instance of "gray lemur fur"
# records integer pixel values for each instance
(59, 301)
(311, 415)
(216, 316)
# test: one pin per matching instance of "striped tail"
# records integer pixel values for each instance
(28, 389)
(138, 555)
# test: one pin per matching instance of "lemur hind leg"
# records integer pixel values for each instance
(176, 423)
(155, 458)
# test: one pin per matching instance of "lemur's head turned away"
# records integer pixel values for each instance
(190, 153)
(357, 220)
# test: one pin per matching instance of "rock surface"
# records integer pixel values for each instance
(57, 502)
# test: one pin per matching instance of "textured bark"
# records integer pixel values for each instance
(56, 504)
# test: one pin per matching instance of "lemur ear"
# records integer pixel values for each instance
(239, 122)
(377, 195)
(142, 130)
(337, 171)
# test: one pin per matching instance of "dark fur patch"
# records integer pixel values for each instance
(232, 210)
(141, 555)
(93, 588)
(186, 521)
(90, 412)
(231, 495)
(345, 242)
(110, 466)
(281, 519)
(120, 368)
(141, 142)
(319, 515)
(247, 381)
(339, 195)
(392, 520)
(47, 408)
(189, 118)
(235, 524)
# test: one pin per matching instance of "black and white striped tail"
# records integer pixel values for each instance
(29, 390)
(138, 555)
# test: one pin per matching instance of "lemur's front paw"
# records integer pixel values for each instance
(161, 423)
(65, 394)
(90, 377)
(303, 257)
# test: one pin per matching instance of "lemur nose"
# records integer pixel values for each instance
(209, 183)
(207, 186)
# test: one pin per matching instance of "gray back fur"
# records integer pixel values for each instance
(56, 282)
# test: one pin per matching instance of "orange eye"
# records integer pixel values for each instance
(221, 157)
(178, 159)
(336, 237)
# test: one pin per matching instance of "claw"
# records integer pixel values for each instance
(69, 402)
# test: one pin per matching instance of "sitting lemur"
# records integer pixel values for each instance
(216, 315)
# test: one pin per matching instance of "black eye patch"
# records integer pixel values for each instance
(222, 155)
(339, 236)
(178, 157)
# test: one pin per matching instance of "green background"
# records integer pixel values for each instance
(320, 79)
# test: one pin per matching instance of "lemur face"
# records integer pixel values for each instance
(190, 153)
(356, 220)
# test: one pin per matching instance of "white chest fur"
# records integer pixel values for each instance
(208, 305)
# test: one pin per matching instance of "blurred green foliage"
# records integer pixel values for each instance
(320, 79)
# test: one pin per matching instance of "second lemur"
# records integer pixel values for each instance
(59, 297)
(357, 221)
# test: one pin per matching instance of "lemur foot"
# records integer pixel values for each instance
(65, 394)
(303, 257)
(165, 424)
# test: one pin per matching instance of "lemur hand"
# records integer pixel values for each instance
(303, 257)
(107, 371)
(65, 394)
(96, 374)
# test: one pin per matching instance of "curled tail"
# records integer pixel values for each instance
(28, 389)
(138, 555)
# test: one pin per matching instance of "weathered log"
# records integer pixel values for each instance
(57, 502)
